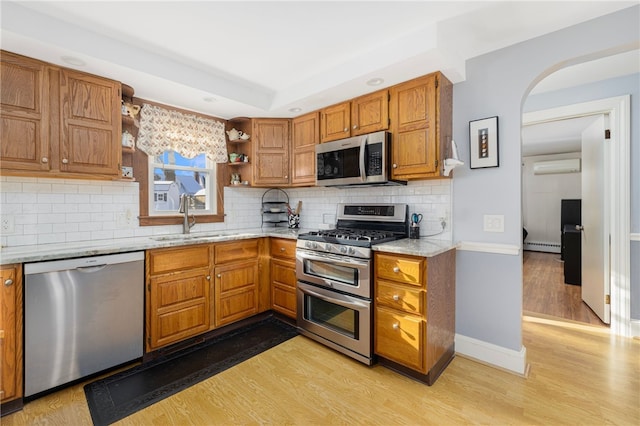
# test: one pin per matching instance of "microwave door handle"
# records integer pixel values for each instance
(363, 172)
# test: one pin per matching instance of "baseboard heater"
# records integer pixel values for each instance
(541, 246)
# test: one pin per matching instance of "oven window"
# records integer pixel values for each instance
(331, 271)
(334, 317)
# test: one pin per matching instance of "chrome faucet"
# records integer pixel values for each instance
(185, 200)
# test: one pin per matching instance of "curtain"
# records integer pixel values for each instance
(188, 134)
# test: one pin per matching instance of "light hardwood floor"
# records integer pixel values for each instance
(578, 374)
(546, 293)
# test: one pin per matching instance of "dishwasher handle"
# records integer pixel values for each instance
(91, 269)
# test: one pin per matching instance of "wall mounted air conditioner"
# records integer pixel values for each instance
(571, 165)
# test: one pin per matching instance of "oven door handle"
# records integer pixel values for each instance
(363, 172)
(344, 303)
(338, 260)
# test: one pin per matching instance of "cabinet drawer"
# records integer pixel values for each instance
(400, 337)
(285, 249)
(236, 250)
(405, 269)
(161, 261)
(407, 299)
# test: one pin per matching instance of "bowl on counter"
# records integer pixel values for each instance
(275, 210)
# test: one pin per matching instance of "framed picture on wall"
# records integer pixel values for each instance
(483, 143)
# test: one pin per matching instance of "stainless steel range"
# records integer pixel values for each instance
(334, 269)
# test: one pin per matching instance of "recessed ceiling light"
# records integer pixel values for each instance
(72, 60)
(209, 99)
(375, 82)
(296, 109)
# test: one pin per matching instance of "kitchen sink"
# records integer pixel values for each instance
(185, 237)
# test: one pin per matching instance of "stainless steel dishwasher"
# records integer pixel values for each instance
(82, 316)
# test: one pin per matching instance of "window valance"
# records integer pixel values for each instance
(188, 134)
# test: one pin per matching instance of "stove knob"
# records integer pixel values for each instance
(327, 248)
(352, 250)
(343, 249)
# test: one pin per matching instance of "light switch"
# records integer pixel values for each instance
(493, 223)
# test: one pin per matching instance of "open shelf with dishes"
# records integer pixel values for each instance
(275, 207)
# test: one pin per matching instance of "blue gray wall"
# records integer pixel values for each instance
(496, 85)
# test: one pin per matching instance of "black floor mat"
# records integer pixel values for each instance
(118, 396)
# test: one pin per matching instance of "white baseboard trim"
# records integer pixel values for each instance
(635, 328)
(634, 237)
(488, 248)
(496, 356)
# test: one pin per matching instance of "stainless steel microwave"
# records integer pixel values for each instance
(359, 160)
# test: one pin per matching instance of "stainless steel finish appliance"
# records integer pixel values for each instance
(334, 269)
(360, 160)
(82, 316)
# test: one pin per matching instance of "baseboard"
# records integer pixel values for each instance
(493, 355)
(545, 247)
(635, 329)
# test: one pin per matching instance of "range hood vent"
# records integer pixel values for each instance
(571, 165)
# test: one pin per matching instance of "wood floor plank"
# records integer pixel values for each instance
(579, 375)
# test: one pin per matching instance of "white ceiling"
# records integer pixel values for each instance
(263, 58)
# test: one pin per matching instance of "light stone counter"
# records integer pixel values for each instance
(418, 247)
(42, 252)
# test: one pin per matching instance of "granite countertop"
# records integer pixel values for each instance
(43, 252)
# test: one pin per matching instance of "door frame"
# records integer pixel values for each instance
(618, 207)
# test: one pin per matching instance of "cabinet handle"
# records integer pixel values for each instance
(45, 160)
(396, 269)
(396, 297)
(355, 126)
(396, 326)
(65, 161)
(219, 276)
(282, 249)
(346, 129)
(395, 166)
(8, 282)
(208, 277)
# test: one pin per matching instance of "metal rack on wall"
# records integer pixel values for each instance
(274, 207)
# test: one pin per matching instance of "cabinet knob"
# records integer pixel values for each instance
(395, 166)
(396, 297)
(282, 249)
(396, 326)
(396, 269)
(219, 276)
(8, 282)
(65, 161)
(45, 160)
(346, 129)
(355, 126)
(208, 277)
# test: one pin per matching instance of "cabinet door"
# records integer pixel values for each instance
(283, 287)
(305, 137)
(24, 135)
(400, 337)
(179, 306)
(414, 117)
(271, 156)
(91, 124)
(370, 113)
(335, 122)
(236, 291)
(10, 332)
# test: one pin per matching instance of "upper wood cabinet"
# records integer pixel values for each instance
(270, 152)
(305, 135)
(58, 121)
(420, 112)
(365, 114)
(11, 358)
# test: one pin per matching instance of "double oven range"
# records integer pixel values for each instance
(334, 270)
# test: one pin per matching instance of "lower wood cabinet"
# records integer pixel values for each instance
(11, 354)
(237, 282)
(283, 276)
(178, 302)
(415, 313)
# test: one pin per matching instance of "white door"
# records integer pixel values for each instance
(595, 230)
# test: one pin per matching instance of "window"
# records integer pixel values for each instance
(172, 175)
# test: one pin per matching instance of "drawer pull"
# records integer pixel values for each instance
(282, 249)
(8, 282)
(208, 277)
(396, 326)
(396, 297)
(219, 276)
(396, 269)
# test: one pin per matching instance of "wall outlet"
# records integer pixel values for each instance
(124, 219)
(493, 223)
(7, 225)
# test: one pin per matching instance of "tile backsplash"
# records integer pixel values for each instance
(42, 211)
